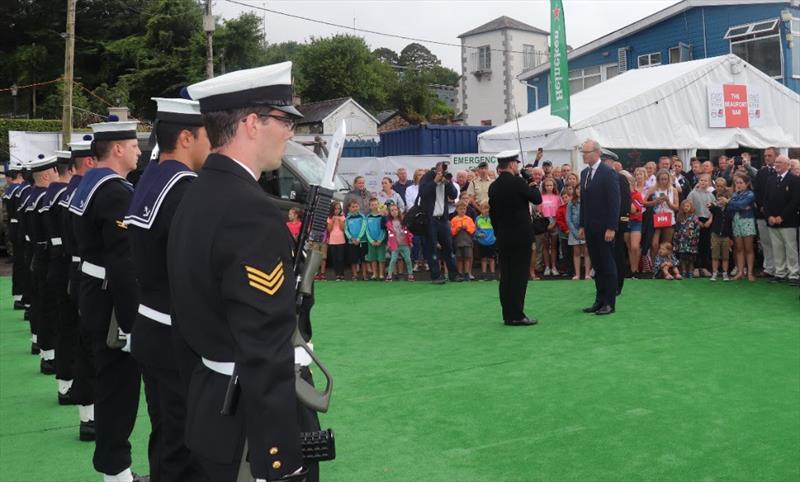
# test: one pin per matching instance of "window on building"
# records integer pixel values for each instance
(580, 79)
(674, 55)
(484, 58)
(529, 57)
(649, 60)
(612, 71)
(759, 44)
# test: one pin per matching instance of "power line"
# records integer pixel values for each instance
(375, 32)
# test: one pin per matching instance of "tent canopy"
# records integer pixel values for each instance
(662, 107)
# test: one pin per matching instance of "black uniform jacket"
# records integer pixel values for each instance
(509, 198)
(233, 298)
(783, 199)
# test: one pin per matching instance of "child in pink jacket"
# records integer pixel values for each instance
(399, 241)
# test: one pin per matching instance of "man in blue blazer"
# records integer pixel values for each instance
(599, 221)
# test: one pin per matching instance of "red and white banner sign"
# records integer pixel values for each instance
(734, 105)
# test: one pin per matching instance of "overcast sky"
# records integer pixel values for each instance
(439, 20)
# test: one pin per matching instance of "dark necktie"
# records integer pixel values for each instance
(588, 178)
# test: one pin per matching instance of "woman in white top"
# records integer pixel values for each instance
(663, 198)
(388, 195)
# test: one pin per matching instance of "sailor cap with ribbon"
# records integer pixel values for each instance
(505, 157)
(269, 86)
(63, 157)
(178, 111)
(114, 130)
(14, 166)
(42, 163)
(82, 148)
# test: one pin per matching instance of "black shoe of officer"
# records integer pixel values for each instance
(47, 367)
(66, 398)
(19, 305)
(596, 306)
(34, 348)
(86, 431)
(523, 322)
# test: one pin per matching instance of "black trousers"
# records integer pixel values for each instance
(83, 371)
(514, 265)
(620, 252)
(439, 232)
(703, 259)
(336, 258)
(18, 270)
(44, 314)
(605, 268)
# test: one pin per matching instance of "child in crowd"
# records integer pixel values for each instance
(294, 222)
(578, 244)
(666, 264)
(549, 208)
(743, 223)
(472, 213)
(701, 196)
(376, 237)
(563, 229)
(355, 230)
(337, 243)
(721, 234)
(462, 228)
(399, 241)
(484, 235)
(687, 236)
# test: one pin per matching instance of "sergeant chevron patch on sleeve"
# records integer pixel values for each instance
(122, 225)
(267, 283)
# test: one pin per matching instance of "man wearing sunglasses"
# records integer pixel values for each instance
(232, 285)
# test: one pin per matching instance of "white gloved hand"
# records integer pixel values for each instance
(127, 336)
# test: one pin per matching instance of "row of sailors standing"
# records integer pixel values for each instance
(91, 264)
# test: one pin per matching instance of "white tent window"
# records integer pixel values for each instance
(649, 60)
(760, 27)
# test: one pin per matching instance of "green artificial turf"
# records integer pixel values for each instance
(689, 380)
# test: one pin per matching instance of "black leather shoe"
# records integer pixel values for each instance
(605, 310)
(522, 322)
(18, 305)
(34, 349)
(86, 431)
(47, 367)
(66, 398)
(593, 308)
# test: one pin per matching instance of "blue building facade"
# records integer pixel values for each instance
(764, 33)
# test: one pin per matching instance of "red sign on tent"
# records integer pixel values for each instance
(735, 98)
(734, 105)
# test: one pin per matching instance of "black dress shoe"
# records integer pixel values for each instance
(522, 322)
(47, 367)
(66, 398)
(596, 306)
(605, 310)
(19, 305)
(86, 431)
(34, 349)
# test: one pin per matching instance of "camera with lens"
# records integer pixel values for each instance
(737, 161)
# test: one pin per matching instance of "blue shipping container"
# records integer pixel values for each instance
(429, 139)
(356, 148)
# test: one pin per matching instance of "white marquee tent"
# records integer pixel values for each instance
(666, 107)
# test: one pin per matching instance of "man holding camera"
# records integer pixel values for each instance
(434, 191)
(509, 198)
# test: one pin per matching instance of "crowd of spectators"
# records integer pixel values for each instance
(682, 224)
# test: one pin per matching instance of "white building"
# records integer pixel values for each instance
(325, 116)
(492, 56)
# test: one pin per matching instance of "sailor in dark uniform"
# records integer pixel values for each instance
(43, 316)
(82, 391)
(23, 255)
(10, 200)
(620, 248)
(108, 294)
(230, 274)
(183, 147)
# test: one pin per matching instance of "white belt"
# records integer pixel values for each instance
(14, 220)
(55, 241)
(76, 259)
(155, 315)
(93, 270)
(226, 368)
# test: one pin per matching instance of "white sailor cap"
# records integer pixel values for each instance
(15, 165)
(508, 156)
(82, 148)
(114, 129)
(178, 111)
(269, 86)
(42, 163)
(63, 157)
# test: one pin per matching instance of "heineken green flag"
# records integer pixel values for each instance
(559, 72)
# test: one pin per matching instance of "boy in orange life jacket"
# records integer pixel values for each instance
(463, 227)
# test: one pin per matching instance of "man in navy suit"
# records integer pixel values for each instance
(598, 224)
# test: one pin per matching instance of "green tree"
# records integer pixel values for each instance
(343, 66)
(418, 56)
(239, 43)
(31, 62)
(443, 76)
(386, 55)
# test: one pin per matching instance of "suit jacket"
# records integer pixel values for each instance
(509, 198)
(783, 199)
(600, 200)
(229, 261)
(760, 189)
(427, 193)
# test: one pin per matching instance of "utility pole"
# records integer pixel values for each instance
(69, 57)
(208, 27)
